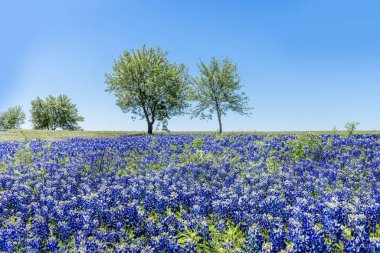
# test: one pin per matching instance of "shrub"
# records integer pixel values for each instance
(198, 142)
(306, 146)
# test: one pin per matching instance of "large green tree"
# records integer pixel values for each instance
(13, 118)
(146, 84)
(55, 112)
(217, 90)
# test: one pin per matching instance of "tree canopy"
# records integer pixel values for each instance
(13, 118)
(146, 84)
(217, 90)
(53, 113)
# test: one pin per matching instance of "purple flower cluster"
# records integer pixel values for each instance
(142, 194)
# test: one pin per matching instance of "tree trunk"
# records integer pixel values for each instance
(150, 128)
(220, 122)
(149, 122)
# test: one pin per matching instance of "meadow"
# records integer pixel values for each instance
(279, 192)
(48, 135)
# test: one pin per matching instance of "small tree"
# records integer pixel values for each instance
(148, 85)
(351, 127)
(217, 90)
(53, 113)
(13, 118)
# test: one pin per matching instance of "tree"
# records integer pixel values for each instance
(53, 113)
(12, 118)
(351, 127)
(146, 84)
(217, 90)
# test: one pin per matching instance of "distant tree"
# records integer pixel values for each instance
(217, 90)
(146, 84)
(351, 127)
(53, 113)
(13, 118)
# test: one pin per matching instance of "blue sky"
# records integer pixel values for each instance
(306, 65)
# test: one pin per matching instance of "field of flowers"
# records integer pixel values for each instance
(191, 193)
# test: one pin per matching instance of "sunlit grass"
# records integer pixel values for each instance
(27, 135)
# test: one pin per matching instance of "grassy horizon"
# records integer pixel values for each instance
(27, 135)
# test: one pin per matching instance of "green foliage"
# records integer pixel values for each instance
(330, 144)
(306, 146)
(219, 137)
(217, 90)
(376, 233)
(12, 118)
(198, 142)
(338, 247)
(163, 125)
(153, 142)
(347, 233)
(146, 84)
(351, 127)
(23, 156)
(231, 239)
(53, 113)
(233, 236)
(272, 164)
(189, 236)
(198, 157)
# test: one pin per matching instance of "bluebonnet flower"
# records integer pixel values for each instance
(52, 245)
(255, 239)
(103, 194)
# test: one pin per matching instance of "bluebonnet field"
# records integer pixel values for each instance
(188, 193)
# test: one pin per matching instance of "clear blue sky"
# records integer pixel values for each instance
(306, 65)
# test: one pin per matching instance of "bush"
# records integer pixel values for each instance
(306, 146)
(198, 142)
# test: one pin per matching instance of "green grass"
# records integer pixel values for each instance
(27, 135)
(276, 132)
